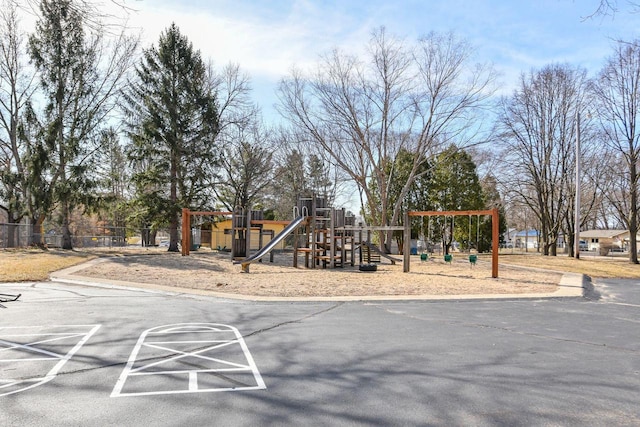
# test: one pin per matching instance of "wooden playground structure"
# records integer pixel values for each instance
(323, 236)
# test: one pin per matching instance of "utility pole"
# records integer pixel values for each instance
(576, 226)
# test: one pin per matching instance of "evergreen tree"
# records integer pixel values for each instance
(173, 126)
(114, 178)
(455, 186)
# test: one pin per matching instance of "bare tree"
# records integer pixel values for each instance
(362, 112)
(246, 166)
(98, 16)
(235, 108)
(618, 92)
(611, 7)
(246, 152)
(537, 126)
(16, 88)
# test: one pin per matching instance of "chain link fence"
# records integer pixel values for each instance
(16, 235)
(22, 235)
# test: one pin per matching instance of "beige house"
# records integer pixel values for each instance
(605, 240)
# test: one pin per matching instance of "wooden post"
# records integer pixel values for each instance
(247, 250)
(332, 238)
(186, 231)
(406, 244)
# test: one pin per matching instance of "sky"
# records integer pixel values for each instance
(268, 37)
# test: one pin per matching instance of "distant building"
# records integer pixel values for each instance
(609, 239)
(526, 239)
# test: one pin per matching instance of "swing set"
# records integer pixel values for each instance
(495, 241)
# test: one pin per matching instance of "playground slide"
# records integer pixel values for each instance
(272, 244)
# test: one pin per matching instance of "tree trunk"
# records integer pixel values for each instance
(173, 196)
(388, 242)
(570, 245)
(633, 214)
(173, 234)
(545, 239)
(66, 231)
(36, 238)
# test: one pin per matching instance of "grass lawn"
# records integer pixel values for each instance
(35, 264)
(603, 267)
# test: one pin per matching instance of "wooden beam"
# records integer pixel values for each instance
(209, 213)
(450, 213)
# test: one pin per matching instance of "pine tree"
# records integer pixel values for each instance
(173, 123)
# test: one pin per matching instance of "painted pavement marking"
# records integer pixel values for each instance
(42, 348)
(189, 358)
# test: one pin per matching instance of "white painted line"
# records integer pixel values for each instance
(153, 345)
(193, 381)
(184, 354)
(12, 345)
(61, 358)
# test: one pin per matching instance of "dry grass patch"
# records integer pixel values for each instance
(603, 267)
(34, 264)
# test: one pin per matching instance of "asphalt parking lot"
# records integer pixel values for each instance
(78, 355)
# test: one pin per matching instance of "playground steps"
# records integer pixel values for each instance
(337, 259)
(368, 255)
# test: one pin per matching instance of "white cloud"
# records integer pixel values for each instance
(268, 48)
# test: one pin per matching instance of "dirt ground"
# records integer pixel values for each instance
(213, 271)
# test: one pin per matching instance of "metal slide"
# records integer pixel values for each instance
(272, 244)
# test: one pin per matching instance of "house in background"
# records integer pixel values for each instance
(526, 239)
(616, 240)
(508, 238)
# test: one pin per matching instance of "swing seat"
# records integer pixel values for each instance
(448, 258)
(473, 259)
(424, 257)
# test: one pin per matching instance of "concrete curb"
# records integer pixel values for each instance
(572, 285)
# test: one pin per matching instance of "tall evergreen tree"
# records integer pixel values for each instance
(173, 126)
